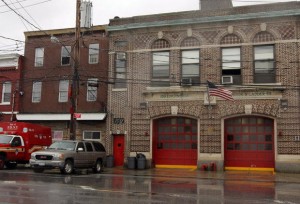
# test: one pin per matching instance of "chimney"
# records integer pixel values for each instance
(206, 5)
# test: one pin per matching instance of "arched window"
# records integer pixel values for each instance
(263, 36)
(264, 59)
(160, 64)
(230, 39)
(190, 62)
(160, 44)
(231, 60)
(190, 42)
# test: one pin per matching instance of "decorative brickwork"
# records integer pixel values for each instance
(263, 99)
(190, 42)
(263, 37)
(231, 39)
(159, 44)
(210, 36)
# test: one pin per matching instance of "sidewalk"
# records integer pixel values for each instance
(197, 174)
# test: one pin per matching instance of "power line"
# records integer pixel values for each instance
(8, 5)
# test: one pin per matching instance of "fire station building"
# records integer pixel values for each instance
(159, 104)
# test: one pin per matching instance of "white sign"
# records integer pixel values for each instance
(209, 100)
(248, 109)
(174, 110)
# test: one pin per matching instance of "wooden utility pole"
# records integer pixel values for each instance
(75, 78)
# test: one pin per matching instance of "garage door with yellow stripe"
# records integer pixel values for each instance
(175, 141)
(249, 142)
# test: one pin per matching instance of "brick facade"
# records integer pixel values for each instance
(11, 66)
(52, 71)
(244, 27)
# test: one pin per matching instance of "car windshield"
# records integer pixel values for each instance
(5, 139)
(63, 145)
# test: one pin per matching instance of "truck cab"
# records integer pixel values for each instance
(14, 146)
(18, 140)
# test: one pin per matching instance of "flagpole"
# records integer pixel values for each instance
(209, 105)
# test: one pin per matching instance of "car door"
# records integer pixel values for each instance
(18, 148)
(91, 159)
(80, 155)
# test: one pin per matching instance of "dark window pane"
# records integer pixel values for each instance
(237, 138)
(253, 147)
(230, 146)
(261, 147)
(229, 137)
(245, 146)
(268, 138)
(268, 147)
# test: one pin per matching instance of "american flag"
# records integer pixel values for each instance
(213, 90)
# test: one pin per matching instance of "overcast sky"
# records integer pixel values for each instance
(18, 16)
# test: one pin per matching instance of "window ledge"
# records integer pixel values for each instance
(263, 84)
(119, 89)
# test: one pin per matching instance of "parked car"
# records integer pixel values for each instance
(68, 155)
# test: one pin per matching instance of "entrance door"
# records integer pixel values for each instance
(118, 150)
(249, 142)
(175, 141)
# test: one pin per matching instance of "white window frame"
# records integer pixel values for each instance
(190, 60)
(161, 64)
(92, 89)
(6, 92)
(63, 91)
(120, 70)
(231, 58)
(36, 92)
(94, 53)
(39, 57)
(265, 56)
(264, 64)
(66, 55)
(91, 132)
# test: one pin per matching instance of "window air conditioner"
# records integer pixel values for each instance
(121, 56)
(186, 82)
(227, 80)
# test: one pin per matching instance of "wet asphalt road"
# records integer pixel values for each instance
(158, 186)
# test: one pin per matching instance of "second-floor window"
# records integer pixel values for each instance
(36, 91)
(92, 87)
(190, 66)
(120, 70)
(39, 57)
(93, 53)
(264, 64)
(231, 65)
(63, 91)
(6, 92)
(65, 55)
(161, 68)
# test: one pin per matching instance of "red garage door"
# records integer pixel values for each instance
(249, 142)
(175, 141)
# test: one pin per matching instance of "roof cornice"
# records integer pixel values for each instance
(210, 19)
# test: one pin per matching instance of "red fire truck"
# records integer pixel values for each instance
(19, 139)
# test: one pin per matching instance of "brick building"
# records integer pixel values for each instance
(159, 104)
(10, 74)
(48, 74)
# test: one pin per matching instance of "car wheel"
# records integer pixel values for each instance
(11, 165)
(1, 162)
(98, 166)
(38, 170)
(68, 167)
